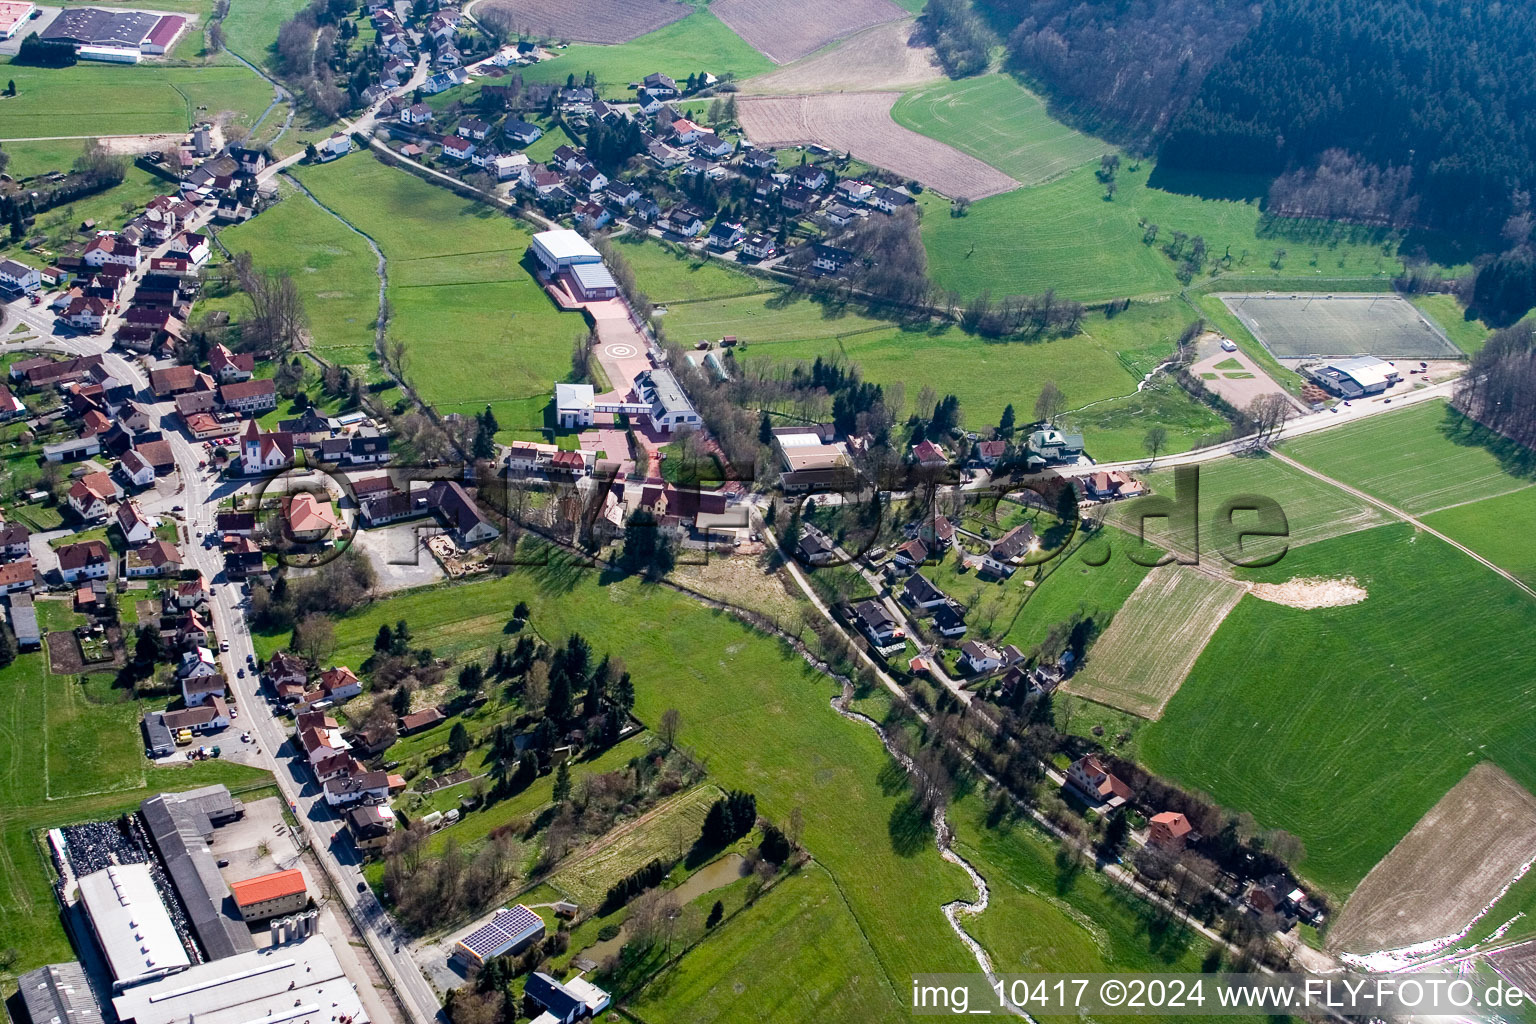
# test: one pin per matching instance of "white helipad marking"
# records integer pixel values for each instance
(619, 351)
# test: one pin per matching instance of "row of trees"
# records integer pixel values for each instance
(1499, 389)
(959, 36)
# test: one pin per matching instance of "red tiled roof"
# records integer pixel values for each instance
(268, 887)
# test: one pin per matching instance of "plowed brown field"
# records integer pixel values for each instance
(885, 57)
(860, 123)
(590, 21)
(786, 30)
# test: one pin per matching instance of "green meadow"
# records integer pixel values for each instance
(1344, 725)
(334, 270)
(117, 100)
(699, 42)
(478, 327)
(997, 120)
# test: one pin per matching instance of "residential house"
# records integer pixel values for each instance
(990, 453)
(1169, 830)
(84, 560)
(17, 575)
(1010, 550)
(808, 176)
(157, 558)
(334, 147)
(724, 235)
(198, 689)
(521, 131)
(10, 406)
(89, 496)
(1051, 447)
(928, 455)
(710, 144)
(340, 683)
(759, 247)
(889, 200)
(660, 85)
(685, 220)
(473, 128)
(136, 527)
(310, 520)
(830, 259)
(1095, 783)
(287, 668)
(18, 277)
(815, 548)
(87, 313)
(949, 621)
(455, 148)
(459, 514)
(855, 193)
(921, 594)
(15, 540)
(365, 787)
(230, 367)
(1111, 486)
(878, 624)
(416, 113)
(911, 554)
(978, 658)
(551, 1002)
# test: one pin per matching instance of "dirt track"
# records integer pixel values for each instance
(885, 57)
(589, 21)
(860, 123)
(1451, 865)
(786, 30)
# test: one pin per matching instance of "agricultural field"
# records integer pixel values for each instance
(751, 710)
(888, 56)
(860, 123)
(29, 158)
(1301, 326)
(1500, 529)
(799, 953)
(332, 266)
(786, 30)
(1139, 662)
(996, 120)
(1424, 458)
(699, 42)
(75, 756)
(1066, 235)
(666, 834)
(113, 100)
(1460, 856)
(1314, 511)
(478, 327)
(1345, 725)
(590, 21)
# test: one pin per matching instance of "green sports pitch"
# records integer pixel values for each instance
(1302, 326)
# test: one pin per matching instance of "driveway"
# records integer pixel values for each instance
(1233, 376)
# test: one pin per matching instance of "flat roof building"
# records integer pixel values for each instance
(287, 984)
(1356, 377)
(561, 248)
(131, 924)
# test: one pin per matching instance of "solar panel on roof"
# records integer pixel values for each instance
(501, 931)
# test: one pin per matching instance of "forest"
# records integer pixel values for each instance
(1439, 95)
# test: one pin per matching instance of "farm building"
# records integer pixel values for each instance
(180, 825)
(1355, 378)
(508, 931)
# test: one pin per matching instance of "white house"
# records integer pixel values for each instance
(137, 528)
(86, 560)
(977, 657)
(19, 277)
(338, 145)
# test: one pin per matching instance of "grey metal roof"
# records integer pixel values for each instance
(667, 392)
(179, 824)
(131, 923)
(59, 994)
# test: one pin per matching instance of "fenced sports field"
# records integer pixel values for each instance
(1300, 326)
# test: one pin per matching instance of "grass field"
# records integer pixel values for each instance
(1313, 510)
(1294, 327)
(1424, 458)
(250, 29)
(666, 837)
(1345, 725)
(1118, 427)
(29, 158)
(1065, 235)
(114, 100)
(105, 208)
(333, 267)
(72, 754)
(1450, 317)
(1139, 662)
(479, 328)
(995, 119)
(797, 954)
(699, 42)
(751, 710)
(1500, 529)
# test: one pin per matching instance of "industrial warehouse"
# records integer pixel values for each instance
(164, 936)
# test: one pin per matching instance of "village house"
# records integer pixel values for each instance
(877, 623)
(1094, 782)
(949, 621)
(1010, 550)
(920, 593)
(157, 558)
(1169, 830)
(340, 683)
(249, 397)
(310, 520)
(14, 540)
(1111, 486)
(17, 575)
(89, 496)
(229, 367)
(84, 560)
(135, 526)
(459, 514)
(978, 658)
(910, 555)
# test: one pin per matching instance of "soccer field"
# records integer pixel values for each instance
(1298, 326)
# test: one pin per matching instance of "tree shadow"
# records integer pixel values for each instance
(910, 828)
(1513, 457)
